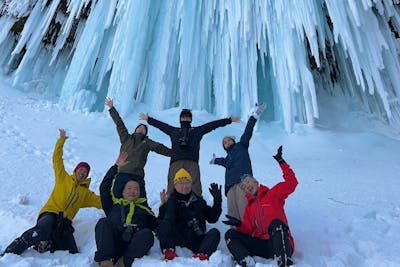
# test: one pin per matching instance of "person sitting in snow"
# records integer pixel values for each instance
(186, 145)
(237, 163)
(126, 231)
(264, 229)
(184, 219)
(138, 146)
(53, 229)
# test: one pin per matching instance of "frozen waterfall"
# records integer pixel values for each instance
(220, 56)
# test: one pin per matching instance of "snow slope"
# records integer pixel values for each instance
(345, 211)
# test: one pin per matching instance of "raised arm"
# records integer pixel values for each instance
(284, 189)
(208, 127)
(248, 131)
(105, 186)
(213, 213)
(58, 162)
(121, 128)
(159, 148)
(165, 128)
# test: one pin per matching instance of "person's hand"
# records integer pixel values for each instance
(259, 108)
(63, 134)
(232, 221)
(212, 161)
(121, 160)
(163, 196)
(278, 156)
(235, 119)
(109, 102)
(144, 116)
(215, 191)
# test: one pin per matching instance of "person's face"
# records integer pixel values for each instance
(186, 118)
(249, 186)
(81, 174)
(141, 129)
(184, 186)
(227, 142)
(131, 191)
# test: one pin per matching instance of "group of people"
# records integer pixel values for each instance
(257, 222)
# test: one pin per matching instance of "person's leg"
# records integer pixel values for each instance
(166, 234)
(236, 202)
(210, 242)
(173, 168)
(139, 245)
(282, 248)
(193, 168)
(242, 246)
(40, 232)
(105, 241)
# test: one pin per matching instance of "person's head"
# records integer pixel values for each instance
(228, 141)
(186, 115)
(82, 171)
(249, 184)
(126, 186)
(141, 128)
(183, 182)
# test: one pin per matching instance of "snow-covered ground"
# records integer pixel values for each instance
(345, 211)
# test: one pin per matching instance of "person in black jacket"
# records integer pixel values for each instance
(138, 145)
(126, 231)
(237, 163)
(184, 220)
(185, 145)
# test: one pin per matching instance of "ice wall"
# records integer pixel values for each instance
(221, 56)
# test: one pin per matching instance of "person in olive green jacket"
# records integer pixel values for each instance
(138, 145)
(53, 229)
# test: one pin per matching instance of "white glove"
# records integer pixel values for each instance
(259, 108)
(212, 161)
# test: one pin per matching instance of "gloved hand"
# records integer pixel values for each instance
(259, 108)
(278, 156)
(216, 192)
(232, 221)
(212, 161)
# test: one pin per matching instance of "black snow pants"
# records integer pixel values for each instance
(52, 232)
(170, 237)
(111, 246)
(278, 245)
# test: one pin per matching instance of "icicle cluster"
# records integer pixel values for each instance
(221, 56)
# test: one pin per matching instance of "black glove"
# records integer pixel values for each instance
(216, 192)
(232, 221)
(278, 156)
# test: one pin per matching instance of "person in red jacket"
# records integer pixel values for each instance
(264, 229)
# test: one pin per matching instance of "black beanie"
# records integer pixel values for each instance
(120, 181)
(145, 126)
(185, 113)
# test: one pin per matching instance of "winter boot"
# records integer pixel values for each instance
(284, 261)
(247, 262)
(200, 256)
(18, 246)
(169, 254)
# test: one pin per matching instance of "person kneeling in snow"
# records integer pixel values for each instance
(184, 217)
(54, 230)
(127, 230)
(264, 230)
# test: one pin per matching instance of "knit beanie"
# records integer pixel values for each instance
(182, 174)
(120, 181)
(145, 126)
(82, 165)
(185, 113)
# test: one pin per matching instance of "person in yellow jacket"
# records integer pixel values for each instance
(54, 230)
